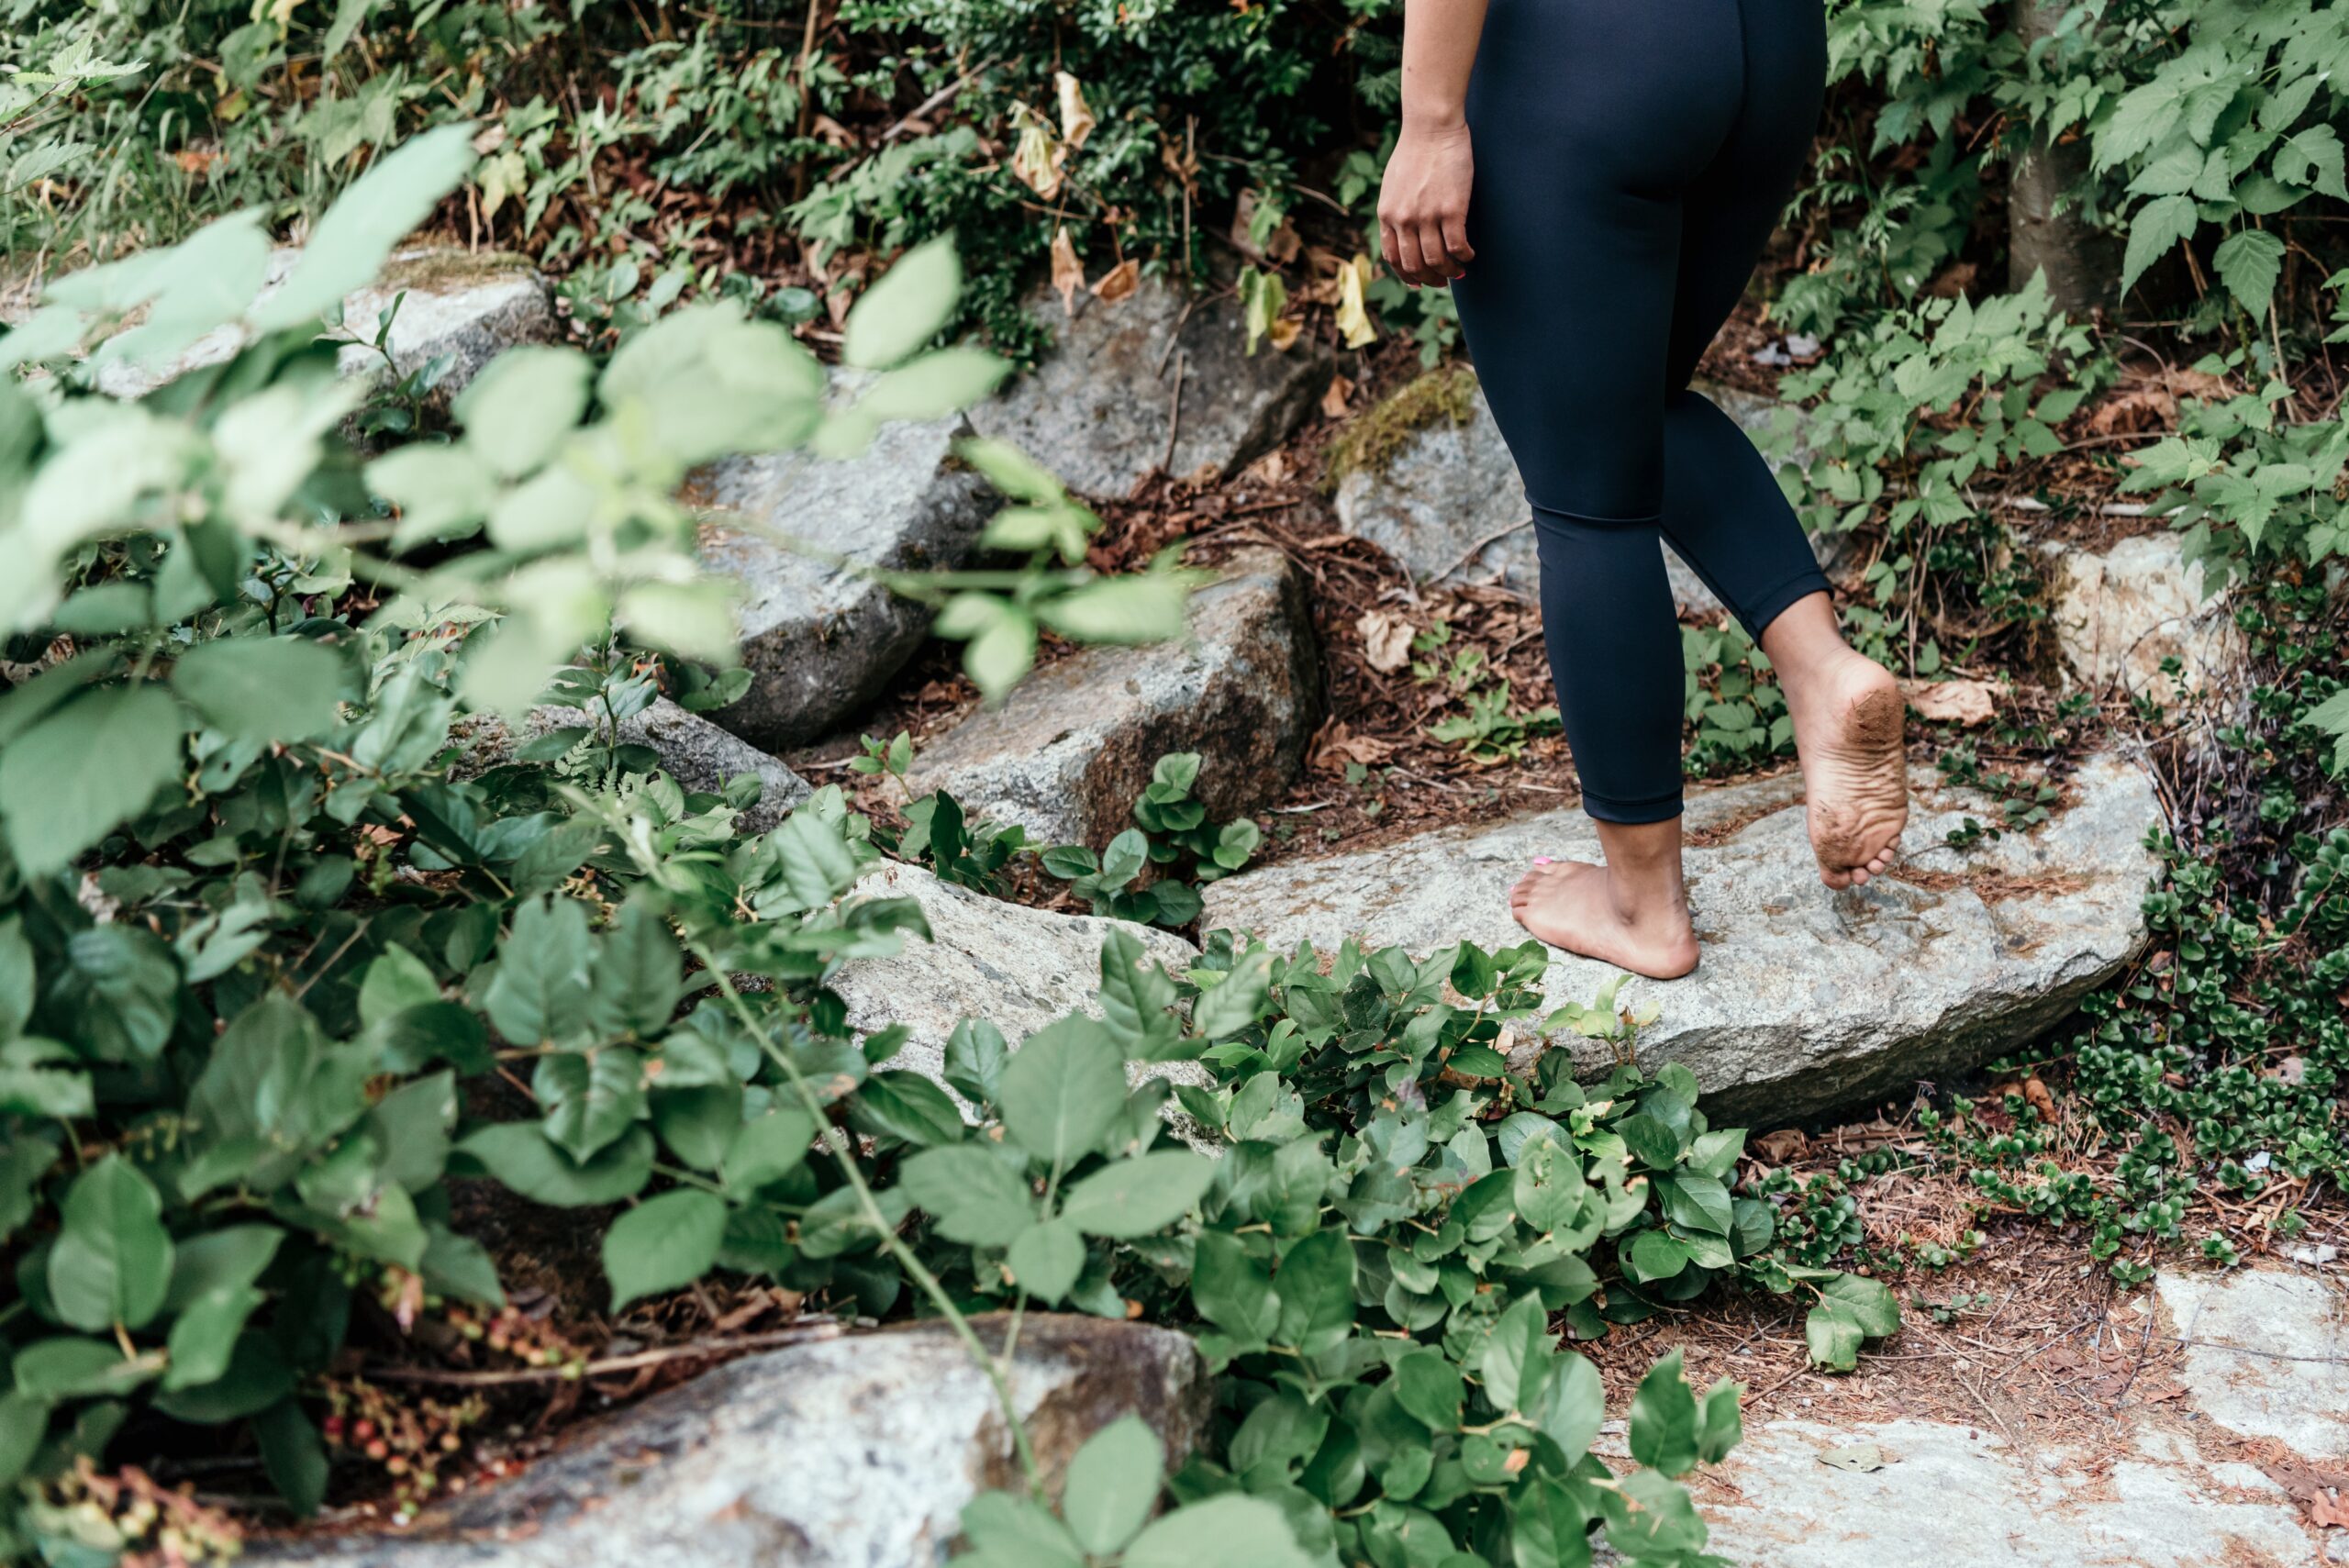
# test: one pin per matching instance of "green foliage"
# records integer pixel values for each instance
(1173, 833)
(1739, 712)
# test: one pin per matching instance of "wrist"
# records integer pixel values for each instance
(1434, 119)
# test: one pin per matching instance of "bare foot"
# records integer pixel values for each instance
(1572, 905)
(1848, 724)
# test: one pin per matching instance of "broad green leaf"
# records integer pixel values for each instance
(1573, 1406)
(518, 1153)
(23, 1420)
(910, 305)
(19, 983)
(1147, 608)
(542, 989)
(1012, 1531)
(2153, 231)
(42, 1078)
(1431, 1387)
(1515, 1360)
(1045, 1259)
(1664, 1420)
(1832, 1334)
(261, 688)
(1112, 1481)
(1237, 1001)
(1229, 1530)
(69, 780)
(1062, 1090)
(590, 1097)
(664, 1244)
(214, 1261)
(68, 1365)
(292, 1455)
(517, 412)
(459, 1266)
(1316, 1282)
(1872, 1305)
(1650, 1519)
(1721, 1423)
(934, 385)
(972, 1192)
(255, 1378)
(1233, 1290)
(205, 1334)
(443, 491)
(2248, 262)
(112, 1261)
(1135, 1197)
(976, 1052)
(1136, 997)
(397, 980)
(638, 974)
(767, 1149)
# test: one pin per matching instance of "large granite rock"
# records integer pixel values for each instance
(469, 307)
(1068, 752)
(1806, 999)
(853, 1453)
(693, 750)
(821, 640)
(1018, 968)
(2164, 1483)
(2118, 613)
(1098, 409)
(1447, 504)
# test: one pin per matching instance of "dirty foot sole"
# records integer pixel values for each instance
(1856, 779)
(1567, 905)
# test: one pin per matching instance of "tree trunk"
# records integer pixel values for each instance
(2082, 265)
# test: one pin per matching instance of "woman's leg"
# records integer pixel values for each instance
(1723, 508)
(1589, 118)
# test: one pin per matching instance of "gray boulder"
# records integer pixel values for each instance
(1806, 999)
(821, 640)
(1016, 967)
(693, 750)
(1098, 410)
(1446, 504)
(470, 307)
(851, 1452)
(1068, 750)
(2118, 613)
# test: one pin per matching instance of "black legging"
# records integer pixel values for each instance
(1630, 159)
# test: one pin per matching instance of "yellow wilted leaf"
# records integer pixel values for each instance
(1353, 320)
(1036, 162)
(1068, 272)
(1076, 120)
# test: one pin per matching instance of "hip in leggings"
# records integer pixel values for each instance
(1631, 157)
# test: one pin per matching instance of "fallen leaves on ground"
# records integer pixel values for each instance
(1386, 640)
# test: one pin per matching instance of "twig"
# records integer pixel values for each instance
(1174, 411)
(1477, 548)
(798, 1334)
(935, 99)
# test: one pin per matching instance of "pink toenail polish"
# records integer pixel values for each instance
(1540, 860)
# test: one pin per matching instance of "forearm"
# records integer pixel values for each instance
(1439, 49)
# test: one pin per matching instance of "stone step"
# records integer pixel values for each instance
(2120, 612)
(1806, 1000)
(857, 1452)
(1447, 506)
(1068, 752)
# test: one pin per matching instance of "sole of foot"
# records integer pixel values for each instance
(1854, 772)
(1568, 904)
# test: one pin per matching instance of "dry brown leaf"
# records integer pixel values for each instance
(1333, 398)
(1282, 332)
(1353, 318)
(1386, 640)
(1068, 272)
(1117, 283)
(1035, 160)
(1952, 702)
(1339, 745)
(1076, 120)
(1270, 469)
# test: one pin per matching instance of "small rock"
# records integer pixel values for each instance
(1447, 504)
(1953, 702)
(1805, 999)
(2118, 614)
(822, 640)
(470, 307)
(1071, 747)
(1018, 968)
(693, 751)
(1098, 409)
(853, 1453)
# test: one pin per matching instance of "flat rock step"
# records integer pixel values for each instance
(1806, 999)
(853, 1453)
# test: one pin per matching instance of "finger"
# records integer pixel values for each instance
(1388, 249)
(1455, 240)
(1440, 267)
(1414, 262)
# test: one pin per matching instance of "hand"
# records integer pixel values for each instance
(1423, 204)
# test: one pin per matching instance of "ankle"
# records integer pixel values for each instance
(1646, 901)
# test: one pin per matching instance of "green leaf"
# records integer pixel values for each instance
(1721, 1424)
(1229, 1531)
(1573, 1406)
(1135, 1197)
(518, 409)
(23, 1421)
(215, 1261)
(77, 775)
(1872, 1305)
(397, 980)
(2153, 231)
(1046, 1259)
(1012, 1531)
(1664, 1420)
(1136, 997)
(767, 1149)
(1112, 1481)
(1431, 1387)
(25, 1157)
(591, 1096)
(1062, 1090)
(972, 1192)
(19, 983)
(459, 1266)
(1146, 607)
(205, 1334)
(262, 689)
(664, 1244)
(976, 1052)
(349, 246)
(541, 991)
(518, 1153)
(699, 1124)
(256, 1377)
(2248, 262)
(1232, 1290)
(68, 1365)
(112, 1261)
(41, 1078)
(291, 1454)
(910, 305)
(1316, 1282)
(638, 974)
(938, 383)
(1238, 1000)
(1832, 1334)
